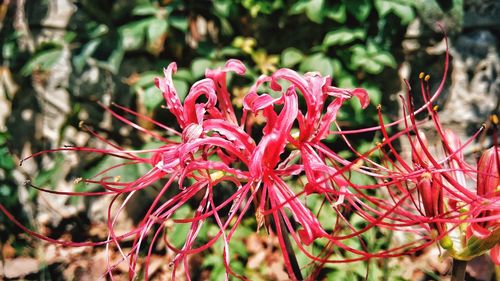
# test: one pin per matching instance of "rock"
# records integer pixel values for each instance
(19, 267)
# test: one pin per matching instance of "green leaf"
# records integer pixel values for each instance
(371, 66)
(155, 29)
(52, 175)
(314, 11)
(298, 7)
(179, 22)
(337, 13)
(115, 59)
(385, 58)
(182, 88)
(199, 66)
(374, 93)
(218, 272)
(317, 62)
(312, 8)
(88, 49)
(133, 34)
(6, 161)
(360, 9)
(180, 230)
(8, 50)
(223, 8)
(97, 31)
(290, 57)
(229, 52)
(183, 74)
(146, 79)
(42, 61)
(337, 67)
(371, 58)
(151, 98)
(337, 275)
(69, 36)
(403, 9)
(343, 36)
(144, 10)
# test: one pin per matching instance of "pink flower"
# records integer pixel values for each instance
(217, 149)
(459, 201)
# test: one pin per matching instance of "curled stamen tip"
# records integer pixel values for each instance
(81, 124)
(421, 75)
(117, 178)
(494, 119)
(77, 180)
(427, 77)
(379, 107)
(435, 108)
(27, 182)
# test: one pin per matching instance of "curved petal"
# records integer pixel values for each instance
(166, 85)
(219, 78)
(192, 112)
(272, 144)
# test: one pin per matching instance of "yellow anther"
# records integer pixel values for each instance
(421, 75)
(80, 124)
(117, 178)
(435, 108)
(379, 107)
(77, 180)
(427, 175)
(494, 119)
(427, 77)
(216, 175)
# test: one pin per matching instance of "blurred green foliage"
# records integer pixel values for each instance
(353, 41)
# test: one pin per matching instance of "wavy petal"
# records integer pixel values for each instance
(166, 85)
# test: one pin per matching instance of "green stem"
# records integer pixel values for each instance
(289, 249)
(458, 271)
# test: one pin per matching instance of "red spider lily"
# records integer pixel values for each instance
(488, 187)
(214, 149)
(460, 202)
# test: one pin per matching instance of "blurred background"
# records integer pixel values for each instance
(59, 58)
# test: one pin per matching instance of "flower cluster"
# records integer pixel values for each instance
(229, 166)
(460, 202)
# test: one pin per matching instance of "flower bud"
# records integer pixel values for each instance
(488, 177)
(417, 154)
